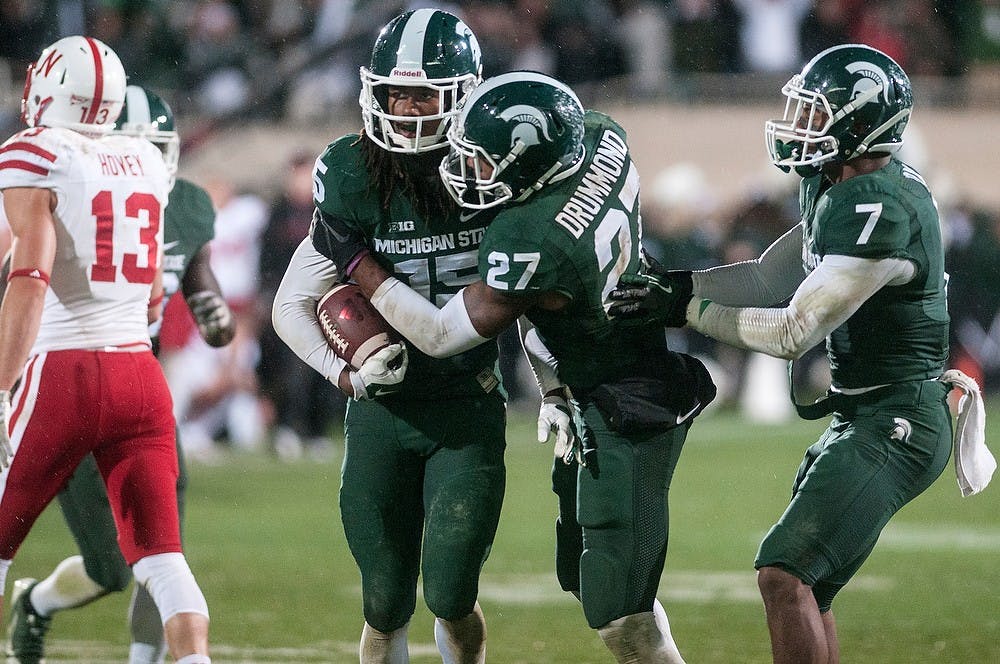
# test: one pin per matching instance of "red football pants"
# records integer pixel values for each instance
(115, 404)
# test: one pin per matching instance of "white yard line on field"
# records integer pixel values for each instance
(909, 537)
(677, 586)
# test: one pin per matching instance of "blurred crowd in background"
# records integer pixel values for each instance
(297, 62)
(295, 59)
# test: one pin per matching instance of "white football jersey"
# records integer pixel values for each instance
(111, 194)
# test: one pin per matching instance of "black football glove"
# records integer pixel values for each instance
(656, 295)
(332, 237)
(213, 317)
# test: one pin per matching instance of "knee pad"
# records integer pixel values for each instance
(387, 614)
(169, 580)
(604, 589)
(451, 602)
(451, 605)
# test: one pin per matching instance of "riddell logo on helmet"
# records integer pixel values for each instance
(408, 73)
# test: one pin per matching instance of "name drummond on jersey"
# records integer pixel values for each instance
(590, 195)
(429, 244)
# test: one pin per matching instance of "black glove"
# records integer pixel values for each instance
(332, 237)
(657, 295)
(213, 316)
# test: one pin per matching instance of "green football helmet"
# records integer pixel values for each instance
(147, 116)
(422, 48)
(515, 133)
(847, 101)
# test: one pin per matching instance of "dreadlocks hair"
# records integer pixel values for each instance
(415, 176)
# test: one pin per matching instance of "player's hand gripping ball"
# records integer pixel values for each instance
(354, 329)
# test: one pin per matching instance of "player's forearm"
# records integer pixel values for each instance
(198, 276)
(780, 333)
(763, 282)
(308, 277)
(20, 319)
(156, 297)
(824, 300)
(543, 365)
(436, 332)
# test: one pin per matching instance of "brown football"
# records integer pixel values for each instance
(352, 326)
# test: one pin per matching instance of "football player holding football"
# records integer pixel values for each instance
(561, 194)
(424, 475)
(85, 207)
(864, 269)
(188, 227)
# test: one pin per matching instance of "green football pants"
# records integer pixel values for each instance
(429, 473)
(612, 530)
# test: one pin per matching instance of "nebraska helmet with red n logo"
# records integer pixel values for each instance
(78, 83)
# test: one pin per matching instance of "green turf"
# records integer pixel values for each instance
(265, 542)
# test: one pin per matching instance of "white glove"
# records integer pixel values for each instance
(212, 314)
(555, 415)
(381, 373)
(6, 453)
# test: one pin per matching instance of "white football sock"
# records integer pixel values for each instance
(462, 641)
(144, 653)
(66, 587)
(640, 639)
(381, 648)
(194, 659)
(670, 648)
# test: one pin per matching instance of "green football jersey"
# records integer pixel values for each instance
(576, 237)
(435, 257)
(901, 332)
(188, 225)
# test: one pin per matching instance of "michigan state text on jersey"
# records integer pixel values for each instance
(436, 254)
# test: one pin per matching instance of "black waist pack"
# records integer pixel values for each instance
(651, 404)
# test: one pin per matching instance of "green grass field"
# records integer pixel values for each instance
(265, 541)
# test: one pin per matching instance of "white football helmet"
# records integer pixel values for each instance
(77, 83)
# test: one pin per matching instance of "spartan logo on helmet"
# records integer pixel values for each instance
(529, 123)
(872, 82)
(514, 134)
